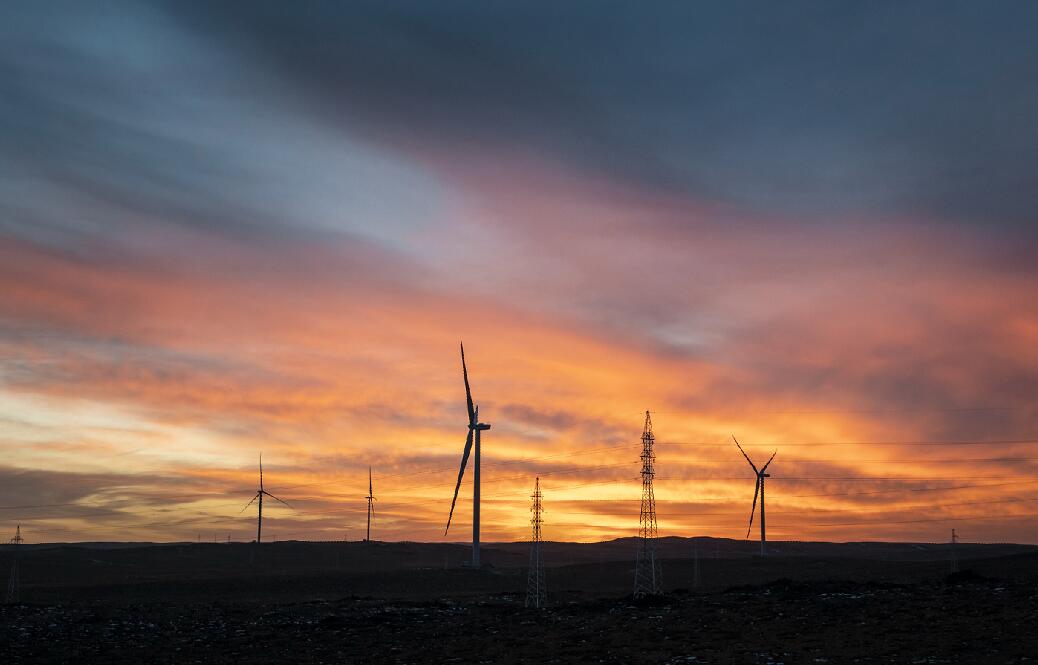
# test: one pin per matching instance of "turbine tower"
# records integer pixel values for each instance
(761, 474)
(647, 580)
(259, 495)
(536, 590)
(371, 506)
(475, 428)
(15, 583)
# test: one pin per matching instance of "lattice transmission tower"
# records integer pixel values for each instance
(14, 584)
(536, 589)
(647, 571)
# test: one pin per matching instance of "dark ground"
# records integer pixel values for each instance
(396, 603)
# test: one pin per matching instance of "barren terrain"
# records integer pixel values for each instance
(413, 602)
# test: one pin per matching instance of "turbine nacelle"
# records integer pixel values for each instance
(474, 423)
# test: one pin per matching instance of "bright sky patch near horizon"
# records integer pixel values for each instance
(227, 230)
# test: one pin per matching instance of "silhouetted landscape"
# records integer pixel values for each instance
(414, 602)
(328, 330)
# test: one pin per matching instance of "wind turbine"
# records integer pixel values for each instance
(474, 427)
(259, 495)
(759, 489)
(371, 505)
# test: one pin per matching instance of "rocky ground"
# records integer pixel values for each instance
(960, 619)
(415, 603)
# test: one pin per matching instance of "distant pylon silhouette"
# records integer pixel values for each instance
(647, 571)
(696, 581)
(536, 589)
(14, 584)
(954, 555)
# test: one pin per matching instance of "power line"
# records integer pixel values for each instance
(860, 443)
(914, 460)
(785, 510)
(967, 409)
(915, 489)
(929, 519)
(844, 478)
(572, 453)
(584, 451)
(116, 512)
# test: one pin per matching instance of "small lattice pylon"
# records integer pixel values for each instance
(647, 570)
(536, 589)
(14, 584)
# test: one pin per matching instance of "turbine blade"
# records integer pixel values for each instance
(744, 454)
(277, 499)
(261, 471)
(461, 472)
(249, 503)
(756, 491)
(369, 480)
(769, 461)
(468, 391)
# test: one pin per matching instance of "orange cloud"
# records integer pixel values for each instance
(332, 358)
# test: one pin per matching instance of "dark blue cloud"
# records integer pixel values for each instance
(811, 108)
(115, 114)
(117, 120)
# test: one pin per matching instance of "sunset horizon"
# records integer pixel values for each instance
(226, 233)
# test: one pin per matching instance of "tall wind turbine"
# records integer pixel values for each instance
(371, 506)
(259, 495)
(761, 475)
(475, 427)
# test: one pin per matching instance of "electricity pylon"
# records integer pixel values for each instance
(536, 590)
(14, 584)
(647, 570)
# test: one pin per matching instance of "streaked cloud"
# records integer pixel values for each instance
(227, 231)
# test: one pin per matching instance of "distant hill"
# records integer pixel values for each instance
(557, 553)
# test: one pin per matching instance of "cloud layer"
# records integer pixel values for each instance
(223, 232)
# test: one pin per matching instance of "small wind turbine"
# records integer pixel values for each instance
(371, 505)
(259, 495)
(759, 489)
(476, 427)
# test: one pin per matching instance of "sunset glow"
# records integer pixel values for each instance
(212, 246)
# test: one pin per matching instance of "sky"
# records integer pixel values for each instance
(231, 229)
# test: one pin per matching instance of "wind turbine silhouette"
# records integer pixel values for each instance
(371, 506)
(259, 495)
(475, 427)
(759, 489)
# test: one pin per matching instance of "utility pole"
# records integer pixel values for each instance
(536, 590)
(695, 565)
(647, 570)
(14, 585)
(954, 552)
